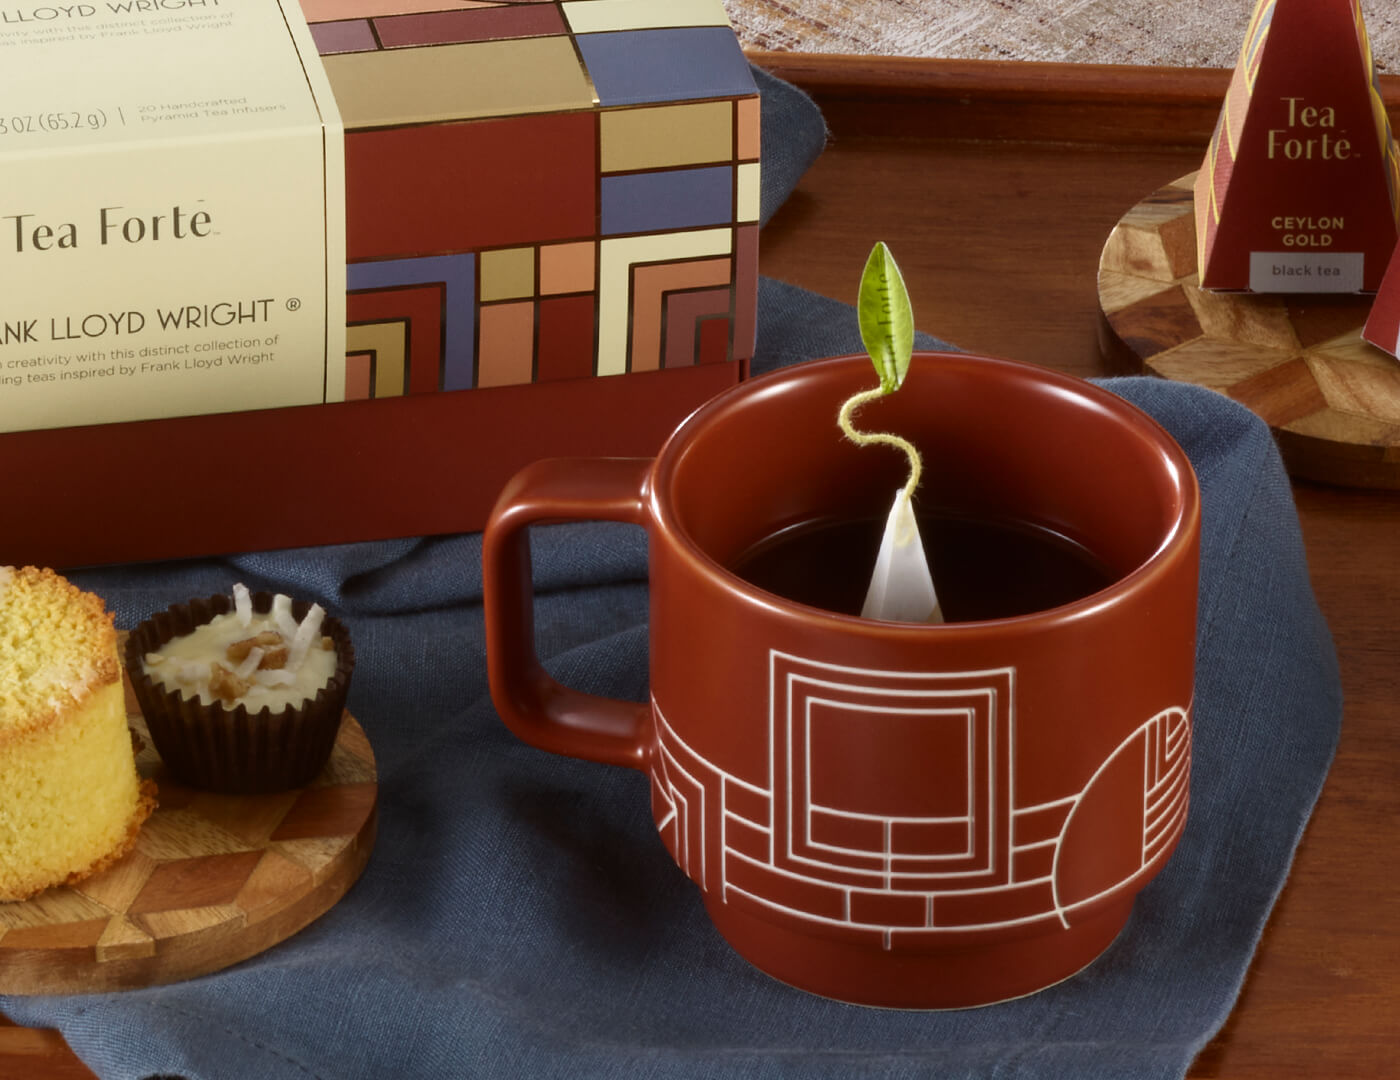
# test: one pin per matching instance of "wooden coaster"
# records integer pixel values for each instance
(213, 880)
(1298, 361)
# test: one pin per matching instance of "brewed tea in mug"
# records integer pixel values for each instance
(983, 567)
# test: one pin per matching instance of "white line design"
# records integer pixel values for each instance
(835, 841)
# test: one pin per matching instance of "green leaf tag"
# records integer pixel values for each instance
(886, 318)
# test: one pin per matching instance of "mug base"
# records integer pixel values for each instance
(929, 977)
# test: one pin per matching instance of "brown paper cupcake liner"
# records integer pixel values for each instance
(233, 751)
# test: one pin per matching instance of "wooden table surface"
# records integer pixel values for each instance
(997, 184)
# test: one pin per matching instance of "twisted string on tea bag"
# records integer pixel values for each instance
(901, 586)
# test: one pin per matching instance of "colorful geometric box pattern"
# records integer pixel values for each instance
(540, 191)
(1300, 187)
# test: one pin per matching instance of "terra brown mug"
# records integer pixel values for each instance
(889, 813)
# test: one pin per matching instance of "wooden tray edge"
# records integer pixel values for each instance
(1012, 99)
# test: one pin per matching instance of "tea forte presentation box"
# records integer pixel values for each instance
(276, 278)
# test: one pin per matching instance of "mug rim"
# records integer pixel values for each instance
(1182, 531)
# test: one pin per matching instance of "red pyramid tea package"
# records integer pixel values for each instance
(1298, 190)
(1383, 324)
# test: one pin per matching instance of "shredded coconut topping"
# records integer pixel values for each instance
(307, 632)
(243, 604)
(250, 663)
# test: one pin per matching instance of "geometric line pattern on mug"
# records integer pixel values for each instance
(820, 714)
(889, 864)
(1161, 748)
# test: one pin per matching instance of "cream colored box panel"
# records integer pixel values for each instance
(172, 221)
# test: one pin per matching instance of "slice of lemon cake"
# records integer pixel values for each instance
(71, 801)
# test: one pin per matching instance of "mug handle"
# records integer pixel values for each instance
(539, 710)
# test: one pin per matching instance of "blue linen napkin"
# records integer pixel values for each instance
(520, 917)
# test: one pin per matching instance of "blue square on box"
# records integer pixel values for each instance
(633, 67)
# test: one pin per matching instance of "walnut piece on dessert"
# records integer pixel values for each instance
(225, 685)
(274, 651)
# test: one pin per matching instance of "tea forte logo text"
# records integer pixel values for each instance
(114, 225)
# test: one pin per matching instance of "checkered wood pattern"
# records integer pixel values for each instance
(1297, 360)
(213, 879)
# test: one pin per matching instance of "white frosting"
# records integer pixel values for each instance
(187, 663)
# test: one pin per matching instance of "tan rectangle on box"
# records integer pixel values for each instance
(458, 82)
(667, 136)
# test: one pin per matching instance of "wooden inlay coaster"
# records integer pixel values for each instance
(213, 880)
(1297, 360)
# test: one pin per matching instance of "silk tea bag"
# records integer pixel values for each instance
(901, 587)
